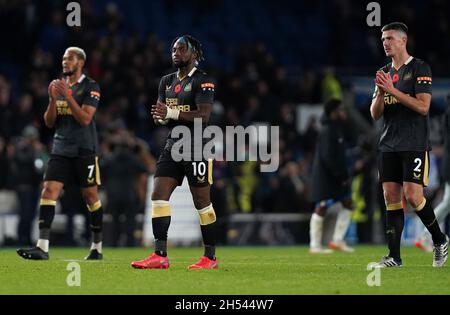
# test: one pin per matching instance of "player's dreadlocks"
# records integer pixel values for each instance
(192, 43)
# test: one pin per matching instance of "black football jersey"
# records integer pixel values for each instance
(196, 88)
(71, 139)
(405, 129)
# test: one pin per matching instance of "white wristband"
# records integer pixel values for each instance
(172, 113)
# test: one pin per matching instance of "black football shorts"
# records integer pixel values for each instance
(198, 173)
(83, 171)
(407, 166)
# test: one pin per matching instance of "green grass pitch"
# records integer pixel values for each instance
(242, 270)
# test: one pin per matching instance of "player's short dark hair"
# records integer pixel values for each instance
(331, 105)
(193, 43)
(397, 26)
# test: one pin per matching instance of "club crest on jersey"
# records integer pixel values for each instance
(407, 76)
(188, 87)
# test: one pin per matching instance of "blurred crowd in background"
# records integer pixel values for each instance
(267, 57)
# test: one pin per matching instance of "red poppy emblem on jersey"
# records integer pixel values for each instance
(395, 78)
(177, 88)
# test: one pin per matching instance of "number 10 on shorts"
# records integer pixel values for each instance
(199, 168)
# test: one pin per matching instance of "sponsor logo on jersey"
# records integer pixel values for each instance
(173, 103)
(170, 101)
(182, 108)
(62, 108)
(390, 100)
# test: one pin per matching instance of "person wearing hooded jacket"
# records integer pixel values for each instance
(331, 180)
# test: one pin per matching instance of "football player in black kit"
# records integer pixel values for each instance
(402, 97)
(72, 105)
(184, 95)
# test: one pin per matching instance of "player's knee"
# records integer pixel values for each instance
(94, 205)
(201, 204)
(90, 197)
(160, 195)
(207, 215)
(49, 192)
(390, 197)
(413, 196)
(414, 199)
(201, 201)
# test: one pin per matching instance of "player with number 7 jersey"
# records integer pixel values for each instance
(73, 102)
